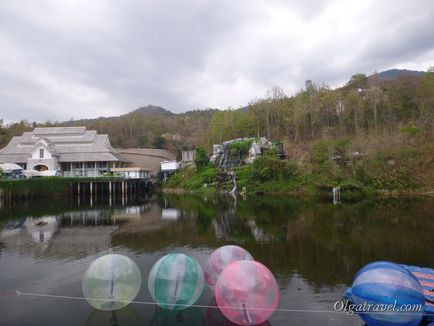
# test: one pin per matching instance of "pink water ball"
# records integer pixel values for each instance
(247, 293)
(222, 257)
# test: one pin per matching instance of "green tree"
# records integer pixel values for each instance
(142, 141)
(201, 158)
(358, 81)
(159, 142)
(353, 110)
(411, 131)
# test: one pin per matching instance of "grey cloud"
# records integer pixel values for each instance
(86, 59)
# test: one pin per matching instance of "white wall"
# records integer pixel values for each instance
(35, 153)
(169, 166)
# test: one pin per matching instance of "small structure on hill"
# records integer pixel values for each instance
(188, 156)
(168, 168)
(233, 153)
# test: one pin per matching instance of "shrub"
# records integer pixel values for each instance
(361, 175)
(201, 158)
(244, 176)
(191, 178)
(395, 179)
(241, 146)
(321, 151)
(410, 129)
(269, 167)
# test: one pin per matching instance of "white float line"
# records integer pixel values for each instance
(19, 293)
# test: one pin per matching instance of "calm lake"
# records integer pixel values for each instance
(313, 247)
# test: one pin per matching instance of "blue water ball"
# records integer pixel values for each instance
(387, 286)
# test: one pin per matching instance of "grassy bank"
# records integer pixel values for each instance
(323, 165)
(38, 187)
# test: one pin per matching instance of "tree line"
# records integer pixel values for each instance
(363, 106)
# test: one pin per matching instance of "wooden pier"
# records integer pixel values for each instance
(84, 190)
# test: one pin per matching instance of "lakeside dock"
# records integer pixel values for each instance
(13, 191)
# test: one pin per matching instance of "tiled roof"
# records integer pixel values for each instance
(72, 144)
(147, 158)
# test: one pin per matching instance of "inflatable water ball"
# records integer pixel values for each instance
(246, 292)
(111, 282)
(222, 257)
(387, 283)
(214, 317)
(176, 281)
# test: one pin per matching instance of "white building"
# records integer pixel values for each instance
(71, 151)
(131, 172)
(168, 167)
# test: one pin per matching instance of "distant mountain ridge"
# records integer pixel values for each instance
(395, 73)
(152, 109)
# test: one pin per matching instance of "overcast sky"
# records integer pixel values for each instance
(82, 59)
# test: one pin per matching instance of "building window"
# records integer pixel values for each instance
(66, 166)
(41, 153)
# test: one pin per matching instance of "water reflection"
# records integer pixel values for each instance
(190, 316)
(125, 316)
(214, 317)
(314, 248)
(325, 243)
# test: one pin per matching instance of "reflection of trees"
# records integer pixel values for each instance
(125, 316)
(324, 243)
(328, 244)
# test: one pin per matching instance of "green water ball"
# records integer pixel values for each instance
(176, 281)
(111, 282)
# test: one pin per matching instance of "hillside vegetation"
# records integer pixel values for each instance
(379, 129)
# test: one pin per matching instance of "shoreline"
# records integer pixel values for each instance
(52, 187)
(380, 193)
(30, 189)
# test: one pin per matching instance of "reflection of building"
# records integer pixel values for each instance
(130, 212)
(74, 151)
(31, 232)
(170, 214)
(258, 233)
(41, 229)
(74, 234)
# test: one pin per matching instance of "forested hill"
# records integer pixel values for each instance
(394, 73)
(377, 105)
(149, 126)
